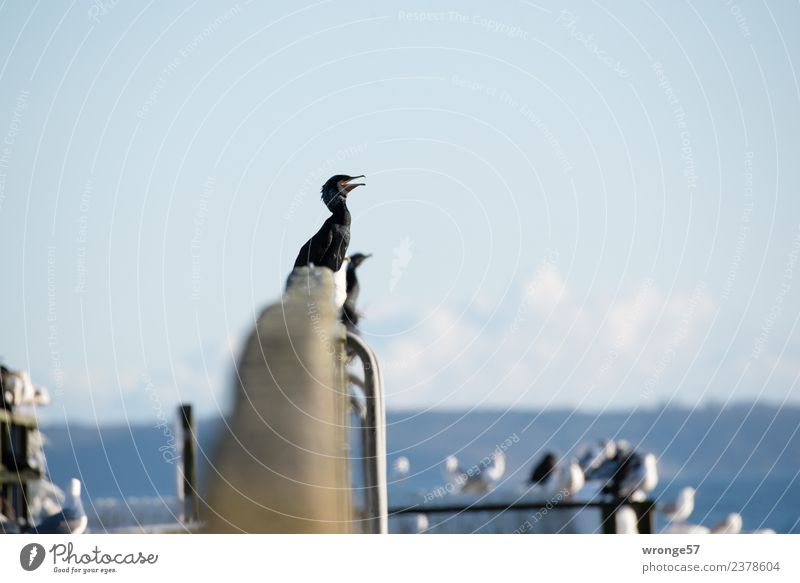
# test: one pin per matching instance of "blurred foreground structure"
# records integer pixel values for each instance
(283, 464)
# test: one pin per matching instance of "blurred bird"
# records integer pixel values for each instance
(595, 456)
(627, 521)
(569, 478)
(71, 519)
(350, 315)
(639, 476)
(543, 470)
(408, 523)
(684, 528)
(731, 524)
(401, 467)
(476, 480)
(681, 508)
(18, 389)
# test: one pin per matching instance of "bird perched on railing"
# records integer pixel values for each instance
(71, 519)
(554, 475)
(679, 510)
(478, 479)
(543, 471)
(17, 389)
(731, 524)
(328, 246)
(350, 314)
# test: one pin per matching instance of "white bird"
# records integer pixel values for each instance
(641, 477)
(477, 479)
(594, 456)
(18, 389)
(340, 284)
(71, 519)
(681, 508)
(762, 531)
(401, 467)
(569, 478)
(684, 528)
(731, 524)
(627, 521)
(412, 523)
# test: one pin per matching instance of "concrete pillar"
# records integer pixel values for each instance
(282, 466)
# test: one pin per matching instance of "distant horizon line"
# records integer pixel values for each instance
(716, 405)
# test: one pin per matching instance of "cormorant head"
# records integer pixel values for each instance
(337, 188)
(357, 259)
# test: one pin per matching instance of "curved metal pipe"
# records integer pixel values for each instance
(373, 436)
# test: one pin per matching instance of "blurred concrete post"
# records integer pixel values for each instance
(282, 465)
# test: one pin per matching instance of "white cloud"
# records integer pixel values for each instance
(546, 346)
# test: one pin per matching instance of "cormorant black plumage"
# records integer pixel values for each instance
(328, 247)
(350, 315)
(544, 469)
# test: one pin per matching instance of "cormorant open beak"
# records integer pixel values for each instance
(350, 186)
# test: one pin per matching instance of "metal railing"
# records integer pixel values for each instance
(645, 511)
(372, 416)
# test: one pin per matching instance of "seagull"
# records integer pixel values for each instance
(569, 478)
(595, 455)
(401, 467)
(639, 476)
(412, 523)
(18, 389)
(71, 519)
(627, 521)
(684, 528)
(477, 479)
(681, 508)
(731, 524)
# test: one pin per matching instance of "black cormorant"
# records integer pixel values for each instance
(543, 471)
(328, 246)
(350, 315)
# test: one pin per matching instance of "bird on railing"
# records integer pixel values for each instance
(478, 479)
(638, 476)
(543, 471)
(401, 468)
(681, 508)
(731, 524)
(17, 389)
(328, 246)
(71, 519)
(350, 315)
(595, 456)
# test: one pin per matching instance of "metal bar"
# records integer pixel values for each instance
(645, 516)
(188, 466)
(608, 518)
(644, 511)
(373, 437)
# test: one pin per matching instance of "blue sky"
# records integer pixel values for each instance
(594, 205)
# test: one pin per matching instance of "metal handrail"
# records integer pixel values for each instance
(373, 435)
(644, 510)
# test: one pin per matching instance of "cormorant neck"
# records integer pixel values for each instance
(339, 210)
